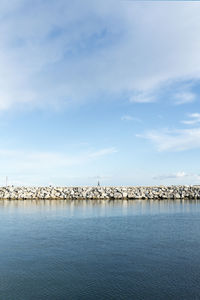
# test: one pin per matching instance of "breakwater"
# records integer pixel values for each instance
(109, 193)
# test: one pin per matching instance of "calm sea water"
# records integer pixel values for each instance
(99, 250)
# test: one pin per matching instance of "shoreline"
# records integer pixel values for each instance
(101, 193)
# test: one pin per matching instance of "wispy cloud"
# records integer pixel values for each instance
(194, 119)
(55, 54)
(41, 168)
(142, 97)
(180, 177)
(130, 118)
(19, 161)
(102, 152)
(180, 174)
(174, 140)
(183, 98)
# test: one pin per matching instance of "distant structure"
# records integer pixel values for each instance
(98, 183)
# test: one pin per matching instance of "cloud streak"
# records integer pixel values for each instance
(174, 140)
(130, 118)
(183, 98)
(24, 161)
(194, 119)
(180, 177)
(142, 98)
(177, 175)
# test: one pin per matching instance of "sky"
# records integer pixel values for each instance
(99, 91)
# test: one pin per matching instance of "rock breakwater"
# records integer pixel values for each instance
(109, 193)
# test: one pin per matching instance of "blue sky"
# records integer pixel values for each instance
(99, 90)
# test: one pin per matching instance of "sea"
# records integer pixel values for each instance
(134, 249)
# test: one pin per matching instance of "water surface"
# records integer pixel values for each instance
(99, 250)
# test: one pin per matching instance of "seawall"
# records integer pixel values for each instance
(109, 193)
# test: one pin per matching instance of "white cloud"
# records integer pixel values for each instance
(180, 177)
(183, 98)
(174, 140)
(180, 174)
(63, 52)
(194, 119)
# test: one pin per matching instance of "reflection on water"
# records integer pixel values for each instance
(97, 208)
(66, 249)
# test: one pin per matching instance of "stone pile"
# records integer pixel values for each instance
(110, 193)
